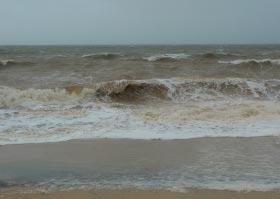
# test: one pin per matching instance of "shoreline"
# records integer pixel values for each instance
(128, 193)
(104, 139)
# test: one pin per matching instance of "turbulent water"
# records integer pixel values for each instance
(58, 93)
(55, 93)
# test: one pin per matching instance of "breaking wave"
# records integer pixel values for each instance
(141, 109)
(104, 56)
(182, 90)
(166, 57)
(252, 61)
(16, 97)
(177, 90)
(12, 62)
(6, 62)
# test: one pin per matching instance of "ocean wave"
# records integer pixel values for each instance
(174, 109)
(177, 90)
(252, 61)
(6, 62)
(11, 62)
(167, 57)
(218, 55)
(58, 56)
(181, 90)
(105, 56)
(129, 90)
(12, 97)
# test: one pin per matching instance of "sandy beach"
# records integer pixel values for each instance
(65, 168)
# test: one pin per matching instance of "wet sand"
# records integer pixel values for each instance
(17, 193)
(105, 161)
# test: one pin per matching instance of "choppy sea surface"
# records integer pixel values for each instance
(60, 93)
(56, 93)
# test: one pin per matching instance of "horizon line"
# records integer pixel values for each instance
(136, 44)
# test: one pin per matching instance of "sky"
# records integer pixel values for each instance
(36, 22)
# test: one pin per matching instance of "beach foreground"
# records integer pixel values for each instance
(122, 168)
(16, 193)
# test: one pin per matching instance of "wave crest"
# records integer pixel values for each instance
(252, 61)
(128, 90)
(181, 90)
(167, 57)
(211, 55)
(141, 91)
(10, 97)
(11, 62)
(104, 56)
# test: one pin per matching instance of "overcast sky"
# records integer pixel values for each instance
(139, 21)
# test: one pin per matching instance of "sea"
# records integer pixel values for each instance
(52, 94)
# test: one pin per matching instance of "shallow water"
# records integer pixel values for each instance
(215, 163)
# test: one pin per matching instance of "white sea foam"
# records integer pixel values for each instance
(165, 183)
(260, 61)
(194, 108)
(60, 123)
(5, 62)
(11, 97)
